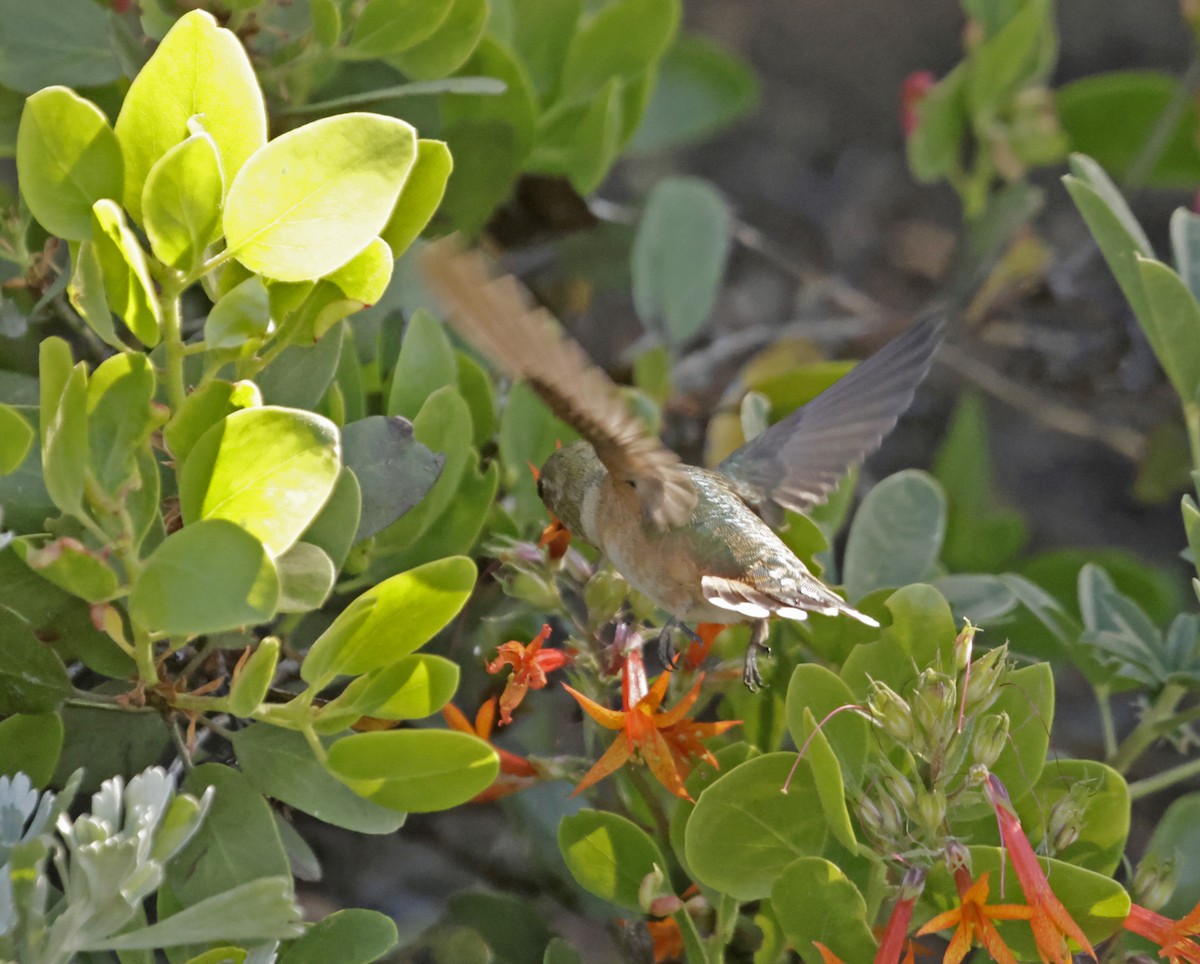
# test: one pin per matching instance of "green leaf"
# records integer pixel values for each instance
(458, 528)
(313, 198)
(199, 70)
(181, 202)
(745, 811)
(1028, 699)
(412, 688)
(896, 534)
(334, 527)
(416, 771)
(86, 293)
(70, 565)
(236, 844)
(61, 43)
(31, 744)
(68, 158)
(280, 763)
(486, 164)
(352, 936)
(268, 469)
(514, 927)
(420, 196)
(127, 283)
(211, 575)
(622, 40)
(819, 691)
(559, 951)
(252, 680)
(363, 279)
(301, 374)
(65, 436)
(32, 678)
(122, 415)
(1174, 843)
(935, 145)
(1172, 326)
(1100, 797)
(108, 744)
(306, 576)
(202, 409)
(515, 107)
(1010, 59)
(826, 771)
(240, 315)
(448, 47)
(701, 89)
(529, 433)
(393, 469)
(426, 363)
(364, 636)
(679, 256)
(1111, 116)
(257, 910)
(390, 26)
(444, 426)
(1185, 245)
(1116, 230)
(541, 32)
(814, 901)
(608, 855)
(579, 141)
(16, 438)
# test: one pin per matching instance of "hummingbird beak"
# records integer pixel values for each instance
(556, 537)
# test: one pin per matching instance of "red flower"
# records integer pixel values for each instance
(1050, 921)
(892, 944)
(665, 742)
(530, 665)
(516, 773)
(1174, 938)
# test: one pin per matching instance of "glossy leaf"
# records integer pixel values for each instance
(1104, 819)
(314, 197)
(459, 527)
(199, 70)
(86, 293)
(416, 771)
(1012, 58)
(211, 575)
(817, 690)
(281, 764)
(365, 637)
(515, 107)
(448, 47)
(608, 855)
(579, 140)
(420, 197)
(679, 256)
(252, 680)
(122, 415)
(241, 314)
(935, 144)
(127, 284)
(896, 535)
(333, 529)
(364, 278)
(202, 409)
(814, 901)
(394, 470)
(745, 812)
(1172, 326)
(1174, 842)
(351, 936)
(181, 202)
(1028, 699)
(622, 40)
(69, 565)
(31, 744)
(65, 438)
(306, 576)
(390, 26)
(16, 438)
(68, 158)
(301, 374)
(268, 469)
(32, 678)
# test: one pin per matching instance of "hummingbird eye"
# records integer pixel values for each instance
(541, 489)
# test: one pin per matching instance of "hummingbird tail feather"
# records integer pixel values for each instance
(753, 603)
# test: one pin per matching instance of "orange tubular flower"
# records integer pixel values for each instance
(972, 920)
(1174, 938)
(516, 773)
(827, 956)
(668, 941)
(892, 944)
(1050, 921)
(665, 742)
(530, 665)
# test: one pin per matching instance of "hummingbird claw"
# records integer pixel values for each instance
(751, 676)
(666, 644)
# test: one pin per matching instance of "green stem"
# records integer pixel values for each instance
(101, 701)
(693, 945)
(1164, 127)
(1107, 728)
(143, 649)
(1149, 728)
(1161, 781)
(173, 344)
(211, 264)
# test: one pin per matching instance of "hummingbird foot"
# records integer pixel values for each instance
(758, 644)
(667, 652)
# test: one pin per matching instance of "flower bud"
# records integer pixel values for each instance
(870, 817)
(964, 645)
(989, 739)
(891, 712)
(1066, 818)
(655, 896)
(540, 592)
(892, 818)
(604, 595)
(957, 856)
(1154, 881)
(983, 683)
(934, 707)
(897, 786)
(931, 809)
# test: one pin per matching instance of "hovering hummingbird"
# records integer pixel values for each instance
(691, 539)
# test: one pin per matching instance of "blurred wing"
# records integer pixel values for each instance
(798, 460)
(494, 315)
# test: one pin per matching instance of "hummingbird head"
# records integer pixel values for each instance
(566, 480)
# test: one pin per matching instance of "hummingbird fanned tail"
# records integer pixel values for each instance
(750, 601)
(797, 461)
(495, 316)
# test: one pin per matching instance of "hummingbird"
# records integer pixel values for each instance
(695, 541)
